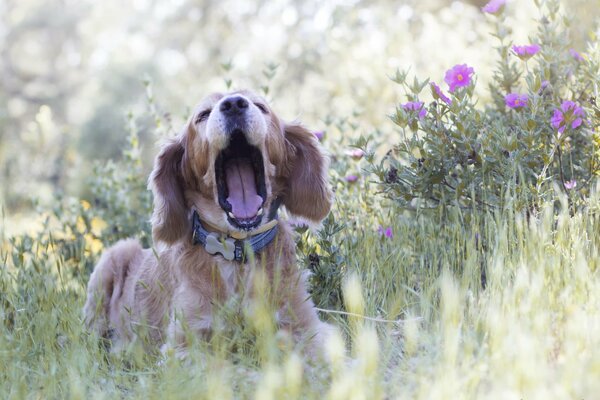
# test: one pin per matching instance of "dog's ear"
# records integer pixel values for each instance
(307, 191)
(170, 219)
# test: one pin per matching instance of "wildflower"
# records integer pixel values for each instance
(572, 184)
(351, 178)
(458, 76)
(575, 55)
(415, 106)
(387, 232)
(494, 6)
(569, 113)
(516, 100)
(356, 154)
(545, 88)
(527, 51)
(438, 94)
(319, 134)
(544, 85)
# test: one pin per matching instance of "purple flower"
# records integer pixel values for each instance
(575, 55)
(351, 178)
(387, 232)
(415, 106)
(572, 184)
(355, 154)
(545, 87)
(319, 134)
(568, 113)
(494, 6)
(438, 94)
(527, 51)
(516, 100)
(458, 76)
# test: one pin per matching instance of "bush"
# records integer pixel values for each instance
(541, 127)
(120, 196)
(75, 231)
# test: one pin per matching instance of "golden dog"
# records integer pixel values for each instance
(217, 188)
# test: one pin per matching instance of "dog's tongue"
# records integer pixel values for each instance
(243, 198)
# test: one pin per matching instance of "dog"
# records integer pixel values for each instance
(218, 188)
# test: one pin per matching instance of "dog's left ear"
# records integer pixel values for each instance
(307, 191)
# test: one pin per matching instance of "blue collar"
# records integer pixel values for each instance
(230, 248)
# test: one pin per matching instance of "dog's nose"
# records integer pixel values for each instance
(234, 105)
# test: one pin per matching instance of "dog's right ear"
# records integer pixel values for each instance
(170, 220)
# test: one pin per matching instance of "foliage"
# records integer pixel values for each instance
(437, 333)
(120, 196)
(81, 64)
(484, 300)
(321, 256)
(453, 152)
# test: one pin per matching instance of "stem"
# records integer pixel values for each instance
(560, 167)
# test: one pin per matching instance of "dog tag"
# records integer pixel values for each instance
(225, 247)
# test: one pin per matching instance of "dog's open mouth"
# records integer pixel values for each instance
(240, 180)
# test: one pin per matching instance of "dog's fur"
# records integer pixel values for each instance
(178, 285)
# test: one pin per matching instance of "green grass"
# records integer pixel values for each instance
(532, 332)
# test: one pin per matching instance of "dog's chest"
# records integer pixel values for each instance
(230, 274)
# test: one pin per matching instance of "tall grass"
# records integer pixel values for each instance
(479, 305)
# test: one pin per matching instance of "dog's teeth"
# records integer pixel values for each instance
(260, 211)
(231, 215)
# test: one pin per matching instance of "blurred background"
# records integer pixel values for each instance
(71, 72)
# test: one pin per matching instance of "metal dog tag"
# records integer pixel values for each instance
(226, 247)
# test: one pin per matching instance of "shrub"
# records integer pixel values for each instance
(322, 257)
(75, 231)
(540, 127)
(120, 196)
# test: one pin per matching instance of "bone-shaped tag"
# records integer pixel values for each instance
(225, 247)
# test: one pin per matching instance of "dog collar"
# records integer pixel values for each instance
(232, 245)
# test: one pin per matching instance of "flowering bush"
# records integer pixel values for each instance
(540, 128)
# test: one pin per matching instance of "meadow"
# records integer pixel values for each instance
(434, 330)
(460, 259)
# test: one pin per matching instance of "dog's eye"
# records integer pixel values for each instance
(262, 108)
(202, 116)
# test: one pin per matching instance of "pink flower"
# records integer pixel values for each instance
(527, 51)
(387, 232)
(572, 184)
(458, 76)
(494, 6)
(438, 94)
(575, 55)
(319, 134)
(356, 154)
(415, 106)
(569, 113)
(351, 178)
(516, 100)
